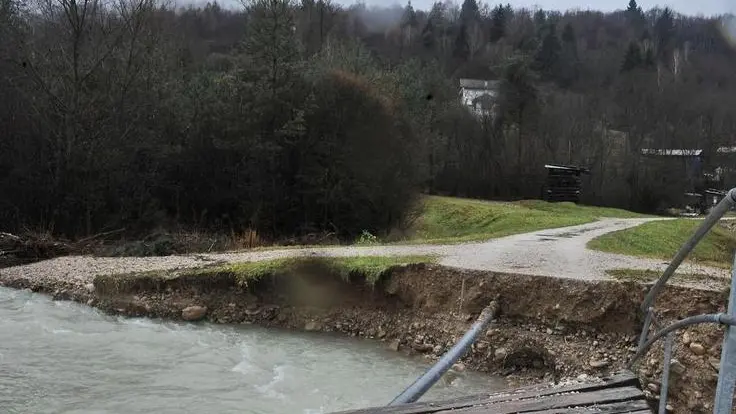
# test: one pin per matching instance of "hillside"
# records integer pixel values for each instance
(289, 118)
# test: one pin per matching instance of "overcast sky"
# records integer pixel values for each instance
(692, 7)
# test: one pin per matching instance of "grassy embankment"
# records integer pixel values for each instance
(662, 239)
(369, 267)
(448, 220)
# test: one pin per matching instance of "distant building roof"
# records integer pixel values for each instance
(567, 168)
(673, 152)
(479, 84)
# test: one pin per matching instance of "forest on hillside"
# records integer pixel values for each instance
(291, 118)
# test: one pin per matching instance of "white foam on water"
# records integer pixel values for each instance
(145, 323)
(269, 389)
(245, 365)
(242, 367)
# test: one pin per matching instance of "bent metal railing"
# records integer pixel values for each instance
(727, 371)
(432, 375)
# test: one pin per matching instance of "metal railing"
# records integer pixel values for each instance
(413, 392)
(727, 371)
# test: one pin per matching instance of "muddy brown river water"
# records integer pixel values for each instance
(62, 357)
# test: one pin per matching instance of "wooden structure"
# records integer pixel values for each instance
(702, 203)
(618, 393)
(563, 183)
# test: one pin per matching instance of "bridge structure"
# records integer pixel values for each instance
(618, 393)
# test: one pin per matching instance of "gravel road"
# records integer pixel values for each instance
(557, 252)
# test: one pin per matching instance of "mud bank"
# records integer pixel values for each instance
(549, 328)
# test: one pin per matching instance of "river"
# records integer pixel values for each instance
(63, 357)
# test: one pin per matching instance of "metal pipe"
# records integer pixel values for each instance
(645, 328)
(669, 342)
(426, 381)
(727, 370)
(718, 211)
(721, 318)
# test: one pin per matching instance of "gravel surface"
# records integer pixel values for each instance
(556, 252)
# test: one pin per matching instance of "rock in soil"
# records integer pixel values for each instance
(697, 348)
(193, 313)
(459, 367)
(677, 367)
(599, 363)
(394, 345)
(311, 326)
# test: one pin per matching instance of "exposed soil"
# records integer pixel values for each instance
(549, 329)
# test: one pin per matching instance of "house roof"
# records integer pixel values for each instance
(672, 152)
(479, 84)
(567, 168)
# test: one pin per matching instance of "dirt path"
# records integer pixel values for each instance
(555, 252)
(561, 253)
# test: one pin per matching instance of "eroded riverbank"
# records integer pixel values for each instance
(549, 329)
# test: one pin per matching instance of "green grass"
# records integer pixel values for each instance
(662, 239)
(445, 219)
(371, 267)
(649, 276)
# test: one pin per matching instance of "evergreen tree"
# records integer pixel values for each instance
(568, 36)
(548, 54)
(634, 13)
(632, 59)
(469, 12)
(540, 22)
(664, 30)
(428, 35)
(461, 50)
(498, 23)
(270, 91)
(508, 13)
(435, 26)
(409, 19)
(569, 63)
(633, 7)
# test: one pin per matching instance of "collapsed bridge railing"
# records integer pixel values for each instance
(727, 371)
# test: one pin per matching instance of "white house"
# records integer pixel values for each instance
(479, 95)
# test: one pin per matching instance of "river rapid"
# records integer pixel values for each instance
(63, 357)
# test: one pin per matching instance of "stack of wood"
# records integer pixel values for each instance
(563, 183)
